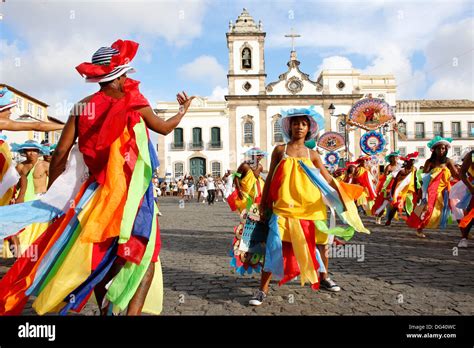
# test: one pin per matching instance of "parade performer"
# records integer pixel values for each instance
(462, 198)
(384, 185)
(36, 173)
(364, 178)
(403, 192)
(297, 193)
(105, 235)
(433, 208)
(246, 199)
(9, 176)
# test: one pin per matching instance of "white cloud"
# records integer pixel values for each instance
(205, 69)
(333, 62)
(450, 61)
(61, 35)
(218, 93)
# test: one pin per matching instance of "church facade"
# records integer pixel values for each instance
(214, 136)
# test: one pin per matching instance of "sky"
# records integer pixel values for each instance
(427, 45)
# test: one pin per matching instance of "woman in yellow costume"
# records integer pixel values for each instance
(246, 199)
(104, 237)
(433, 208)
(297, 193)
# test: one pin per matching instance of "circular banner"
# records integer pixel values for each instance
(372, 143)
(332, 158)
(331, 141)
(371, 114)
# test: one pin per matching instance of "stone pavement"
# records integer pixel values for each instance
(390, 272)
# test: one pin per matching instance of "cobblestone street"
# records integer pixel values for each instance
(395, 273)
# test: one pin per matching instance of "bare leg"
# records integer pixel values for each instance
(100, 291)
(265, 281)
(138, 300)
(323, 250)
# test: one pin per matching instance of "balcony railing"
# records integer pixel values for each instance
(177, 146)
(431, 135)
(215, 145)
(199, 145)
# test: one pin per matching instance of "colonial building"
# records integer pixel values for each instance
(30, 109)
(250, 115)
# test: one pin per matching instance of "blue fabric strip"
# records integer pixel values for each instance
(76, 297)
(17, 216)
(327, 191)
(274, 252)
(50, 258)
(446, 210)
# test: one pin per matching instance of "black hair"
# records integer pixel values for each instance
(308, 134)
(443, 159)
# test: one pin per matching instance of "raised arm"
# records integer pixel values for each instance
(165, 127)
(10, 125)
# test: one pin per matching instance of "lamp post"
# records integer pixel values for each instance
(332, 109)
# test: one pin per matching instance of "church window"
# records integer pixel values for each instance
(246, 58)
(248, 132)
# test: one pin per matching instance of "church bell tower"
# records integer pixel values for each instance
(245, 41)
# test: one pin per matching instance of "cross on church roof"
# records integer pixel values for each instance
(293, 36)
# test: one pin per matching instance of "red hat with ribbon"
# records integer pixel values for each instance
(109, 63)
(411, 156)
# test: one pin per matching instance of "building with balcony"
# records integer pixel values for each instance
(214, 136)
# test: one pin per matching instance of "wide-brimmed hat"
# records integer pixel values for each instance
(6, 99)
(109, 63)
(48, 146)
(392, 154)
(30, 145)
(438, 140)
(315, 119)
(256, 151)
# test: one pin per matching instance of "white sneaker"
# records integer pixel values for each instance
(329, 285)
(378, 220)
(159, 214)
(258, 298)
(462, 243)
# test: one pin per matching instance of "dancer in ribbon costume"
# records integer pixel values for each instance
(297, 193)
(105, 238)
(9, 176)
(403, 193)
(246, 200)
(433, 208)
(384, 185)
(36, 173)
(364, 178)
(462, 198)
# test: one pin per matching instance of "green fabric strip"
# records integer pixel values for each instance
(30, 186)
(345, 233)
(409, 203)
(128, 279)
(141, 177)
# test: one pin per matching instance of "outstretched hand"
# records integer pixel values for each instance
(184, 102)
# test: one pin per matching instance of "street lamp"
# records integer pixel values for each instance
(332, 109)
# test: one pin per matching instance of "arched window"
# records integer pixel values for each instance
(277, 133)
(246, 58)
(216, 169)
(248, 132)
(178, 169)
